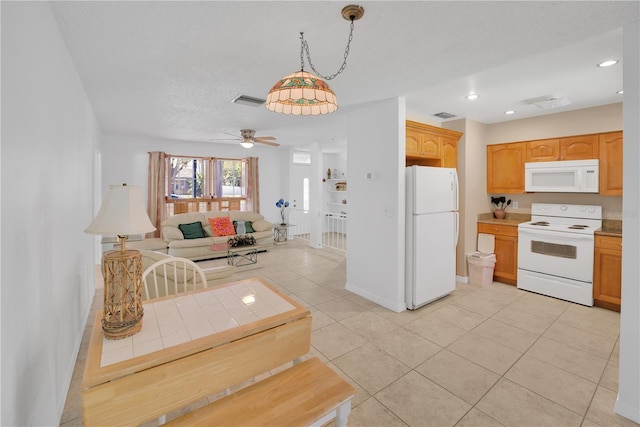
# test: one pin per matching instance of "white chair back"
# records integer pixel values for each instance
(172, 276)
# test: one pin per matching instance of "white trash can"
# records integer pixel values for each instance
(481, 268)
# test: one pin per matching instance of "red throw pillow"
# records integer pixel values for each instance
(222, 226)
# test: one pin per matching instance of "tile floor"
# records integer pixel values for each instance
(479, 357)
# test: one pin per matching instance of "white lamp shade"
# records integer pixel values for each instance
(122, 213)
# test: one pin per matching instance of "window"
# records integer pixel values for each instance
(301, 158)
(305, 194)
(197, 184)
(231, 182)
(186, 178)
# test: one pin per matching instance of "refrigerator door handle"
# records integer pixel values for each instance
(457, 230)
(454, 188)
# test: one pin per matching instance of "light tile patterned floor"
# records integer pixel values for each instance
(479, 357)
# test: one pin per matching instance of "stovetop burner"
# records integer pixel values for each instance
(552, 218)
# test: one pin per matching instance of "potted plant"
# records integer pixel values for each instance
(500, 205)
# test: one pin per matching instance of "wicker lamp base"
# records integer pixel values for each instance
(122, 315)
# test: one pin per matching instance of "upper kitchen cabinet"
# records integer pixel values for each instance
(570, 148)
(430, 145)
(610, 147)
(505, 168)
(449, 152)
(579, 147)
(544, 150)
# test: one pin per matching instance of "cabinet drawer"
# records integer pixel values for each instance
(502, 230)
(608, 242)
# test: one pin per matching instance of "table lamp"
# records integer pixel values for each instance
(122, 213)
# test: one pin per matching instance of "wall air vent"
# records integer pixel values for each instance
(248, 100)
(444, 115)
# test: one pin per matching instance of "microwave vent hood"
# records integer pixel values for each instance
(565, 176)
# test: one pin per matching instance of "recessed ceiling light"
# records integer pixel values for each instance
(608, 63)
(620, 92)
(510, 112)
(472, 96)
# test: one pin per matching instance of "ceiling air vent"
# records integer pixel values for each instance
(548, 101)
(248, 100)
(444, 115)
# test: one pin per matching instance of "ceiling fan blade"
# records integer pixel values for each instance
(225, 139)
(266, 138)
(273, 144)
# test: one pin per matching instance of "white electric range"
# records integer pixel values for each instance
(555, 251)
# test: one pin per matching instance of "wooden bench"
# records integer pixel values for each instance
(308, 394)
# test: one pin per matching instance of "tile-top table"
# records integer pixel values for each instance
(191, 346)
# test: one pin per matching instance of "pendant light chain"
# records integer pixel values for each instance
(304, 46)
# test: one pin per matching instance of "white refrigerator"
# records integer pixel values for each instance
(432, 234)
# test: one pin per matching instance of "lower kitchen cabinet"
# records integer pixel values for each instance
(506, 250)
(607, 272)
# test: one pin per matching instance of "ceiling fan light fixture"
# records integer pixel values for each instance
(306, 94)
(246, 144)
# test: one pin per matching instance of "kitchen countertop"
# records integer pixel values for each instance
(610, 227)
(512, 219)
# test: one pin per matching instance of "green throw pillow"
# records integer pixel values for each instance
(192, 231)
(247, 226)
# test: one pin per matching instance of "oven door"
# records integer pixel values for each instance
(560, 254)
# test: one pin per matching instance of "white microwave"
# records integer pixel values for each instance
(566, 176)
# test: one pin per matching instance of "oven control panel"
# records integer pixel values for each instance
(567, 211)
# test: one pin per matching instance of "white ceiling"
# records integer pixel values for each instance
(170, 69)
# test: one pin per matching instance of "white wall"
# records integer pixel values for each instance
(375, 252)
(49, 135)
(125, 159)
(628, 402)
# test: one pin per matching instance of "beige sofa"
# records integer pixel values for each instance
(201, 248)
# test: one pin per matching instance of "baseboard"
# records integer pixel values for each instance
(462, 279)
(627, 411)
(391, 305)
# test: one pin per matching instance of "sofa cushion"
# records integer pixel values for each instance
(261, 225)
(247, 225)
(222, 226)
(244, 216)
(192, 230)
(169, 232)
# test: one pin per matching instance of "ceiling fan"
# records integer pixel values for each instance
(248, 138)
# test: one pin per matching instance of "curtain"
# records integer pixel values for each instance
(253, 185)
(156, 190)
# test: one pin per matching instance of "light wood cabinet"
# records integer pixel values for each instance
(505, 168)
(449, 152)
(580, 147)
(607, 272)
(430, 145)
(506, 250)
(544, 150)
(420, 143)
(610, 149)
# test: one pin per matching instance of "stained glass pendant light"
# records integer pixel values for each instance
(306, 94)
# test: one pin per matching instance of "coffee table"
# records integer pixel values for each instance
(242, 255)
(239, 255)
